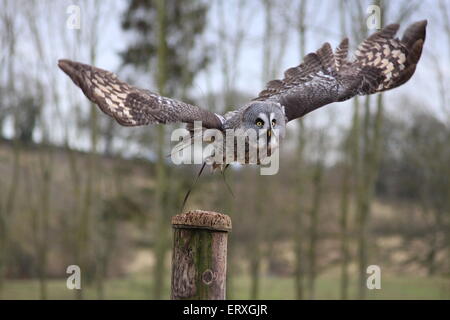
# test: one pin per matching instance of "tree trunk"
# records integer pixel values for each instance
(344, 226)
(346, 185)
(370, 161)
(255, 242)
(314, 222)
(255, 272)
(9, 21)
(299, 230)
(46, 168)
(299, 234)
(162, 221)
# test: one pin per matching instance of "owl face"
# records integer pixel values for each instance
(267, 119)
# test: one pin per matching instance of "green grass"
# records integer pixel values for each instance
(327, 287)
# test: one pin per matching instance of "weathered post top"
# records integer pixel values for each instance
(199, 256)
(201, 219)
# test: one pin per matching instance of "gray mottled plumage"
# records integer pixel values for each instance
(381, 62)
(129, 105)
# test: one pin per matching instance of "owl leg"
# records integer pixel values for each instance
(223, 169)
(192, 187)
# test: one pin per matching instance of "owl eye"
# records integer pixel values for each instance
(259, 122)
(274, 122)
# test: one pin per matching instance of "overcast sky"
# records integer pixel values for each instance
(323, 25)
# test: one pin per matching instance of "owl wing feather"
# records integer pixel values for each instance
(381, 62)
(132, 106)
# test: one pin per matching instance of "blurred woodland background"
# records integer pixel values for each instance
(365, 182)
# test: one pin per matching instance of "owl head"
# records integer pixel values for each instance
(268, 119)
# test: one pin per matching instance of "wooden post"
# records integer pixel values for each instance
(199, 257)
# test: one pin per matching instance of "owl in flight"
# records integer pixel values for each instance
(381, 62)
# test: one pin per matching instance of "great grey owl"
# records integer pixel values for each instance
(381, 62)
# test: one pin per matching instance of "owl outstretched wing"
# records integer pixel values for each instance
(132, 106)
(381, 62)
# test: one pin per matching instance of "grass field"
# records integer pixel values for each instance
(139, 287)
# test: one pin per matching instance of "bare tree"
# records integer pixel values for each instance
(162, 243)
(230, 45)
(299, 234)
(9, 24)
(314, 212)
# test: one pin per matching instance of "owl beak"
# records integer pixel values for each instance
(269, 135)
